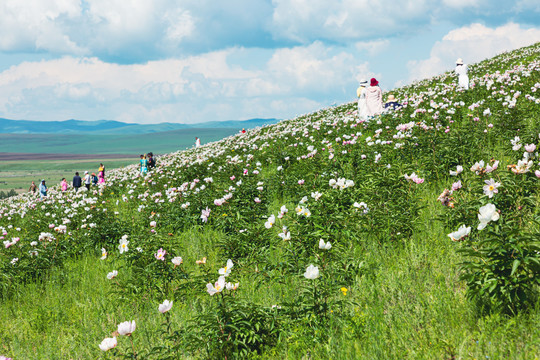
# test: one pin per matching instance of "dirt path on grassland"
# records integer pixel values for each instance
(38, 156)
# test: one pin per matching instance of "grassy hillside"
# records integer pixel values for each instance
(412, 236)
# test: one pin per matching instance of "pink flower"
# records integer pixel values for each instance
(257, 200)
(537, 173)
(530, 148)
(204, 214)
(490, 168)
(160, 255)
(414, 178)
(301, 182)
(232, 177)
(456, 185)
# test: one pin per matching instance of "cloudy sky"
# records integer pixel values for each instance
(189, 61)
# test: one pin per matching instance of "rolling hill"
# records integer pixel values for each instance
(110, 127)
(414, 235)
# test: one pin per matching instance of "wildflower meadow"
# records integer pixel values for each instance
(414, 235)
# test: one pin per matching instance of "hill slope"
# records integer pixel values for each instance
(413, 235)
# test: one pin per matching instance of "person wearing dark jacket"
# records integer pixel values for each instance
(77, 182)
(151, 160)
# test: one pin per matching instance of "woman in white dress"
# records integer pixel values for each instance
(463, 77)
(361, 94)
(374, 98)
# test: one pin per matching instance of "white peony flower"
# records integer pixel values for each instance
(490, 188)
(108, 343)
(486, 214)
(460, 233)
(458, 171)
(166, 306)
(324, 246)
(530, 148)
(126, 328)
(123, 247)
(112, 274)
(312, 272)
(225, 271)
(217, 287)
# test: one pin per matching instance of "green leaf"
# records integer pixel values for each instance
(515, 266)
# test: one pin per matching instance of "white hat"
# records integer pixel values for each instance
(459, 61)
(86, 172)
(363, 81)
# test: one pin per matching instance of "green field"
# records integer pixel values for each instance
(158, 143)
(19, 174)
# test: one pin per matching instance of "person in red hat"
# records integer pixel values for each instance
(374, 98)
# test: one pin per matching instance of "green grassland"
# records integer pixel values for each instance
(158, 143)
(18, 174)
(413, 270)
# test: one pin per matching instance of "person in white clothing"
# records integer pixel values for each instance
(361, 94)
(87, 180)
(374, 98)
(463, 77)
(197, 142)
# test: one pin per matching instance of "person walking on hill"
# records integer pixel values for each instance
(87, 180)
(197, 142)
(144, 164)
(101, 174)
(374, 98)
(94, 179)
(361, 94)
(64, 184)
(462, 72)
(77, 182)
(42, 189)
(32, 188)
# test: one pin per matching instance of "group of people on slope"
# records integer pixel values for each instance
(88, 180)
(147, 162)
(370, 101)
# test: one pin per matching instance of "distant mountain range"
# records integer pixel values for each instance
(111, 127)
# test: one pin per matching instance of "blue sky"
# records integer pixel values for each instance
(190, 61)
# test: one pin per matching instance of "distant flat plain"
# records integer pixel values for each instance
(31, 157)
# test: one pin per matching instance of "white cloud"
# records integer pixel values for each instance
(345, 20)
(463, 4)
(373, 47)
(192, 89)
(472, 43)
(37, 25)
